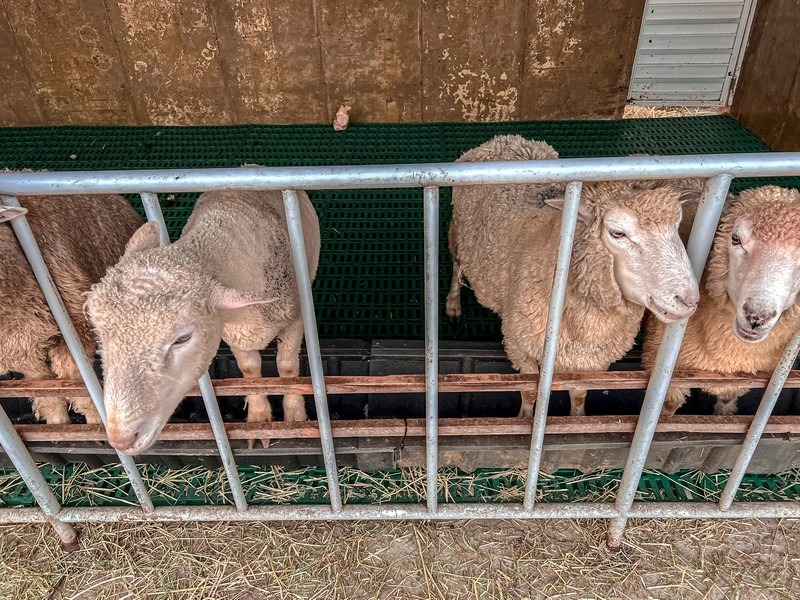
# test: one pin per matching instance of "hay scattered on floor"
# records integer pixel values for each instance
(687, 559)
(659, 112)
(80, 485)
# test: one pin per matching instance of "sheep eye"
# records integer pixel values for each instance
(182, 339)
(617, 234)
(736, 240)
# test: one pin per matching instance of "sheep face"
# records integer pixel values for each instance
(650, 264)
(639, 229)
(159, 320)
(763, 277)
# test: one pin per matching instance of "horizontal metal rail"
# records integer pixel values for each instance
(415, 428)
(768, 164)
(399, 384)
(445, 512)
(717, 169)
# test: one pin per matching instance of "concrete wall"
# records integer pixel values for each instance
(767, 98)
(295, 61)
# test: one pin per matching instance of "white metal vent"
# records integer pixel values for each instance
(689, 53)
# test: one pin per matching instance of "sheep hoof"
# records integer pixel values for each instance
(251, 443)
(725, 408)
(452, 309)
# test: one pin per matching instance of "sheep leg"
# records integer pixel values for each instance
(294, 405)
(258, 408)
(577, 403)
(65, 368)
(727, 398)
(674, 400)
(528, 398)
(53, 410)
(453, 303)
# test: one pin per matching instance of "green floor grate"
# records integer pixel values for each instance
(79, 485)
(370, 278)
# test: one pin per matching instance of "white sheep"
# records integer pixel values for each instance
(79, 237)
(748, 307)
(627, 256)
(161, 312)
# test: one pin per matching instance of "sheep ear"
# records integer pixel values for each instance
(689, 196)
(585, 212)
(145, 238)
(10, 212)
(225, 298)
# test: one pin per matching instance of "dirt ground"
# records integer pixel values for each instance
(482, 560)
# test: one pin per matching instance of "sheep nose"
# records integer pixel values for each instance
(122, 441)
(689, 301)
(758, 319)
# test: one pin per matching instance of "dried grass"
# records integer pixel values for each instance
(659, 112)
(476, 559)
(80, 485)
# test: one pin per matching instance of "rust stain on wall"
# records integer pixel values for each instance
(271, 61)
(371, 58)
(18, 100)
(68, 49)
(171, 50)
(283, 61)
(579, 57)
(472, 59)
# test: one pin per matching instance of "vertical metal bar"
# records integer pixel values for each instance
(31, 249)
(569, 220)
(152, 208)
(705, 226)
(223, 444)
(24, 463)
(431, 251)
(294, 223)
(759, 422)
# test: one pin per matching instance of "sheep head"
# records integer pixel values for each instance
(755, 261)
(634, 233)
(159, 318)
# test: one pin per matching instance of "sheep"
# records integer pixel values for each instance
(161, 311)
(748, 307)
(627, 257)
(79, 237)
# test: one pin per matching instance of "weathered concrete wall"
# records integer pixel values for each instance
(767, 98)
(295, 61)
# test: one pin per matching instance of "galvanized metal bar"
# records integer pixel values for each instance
(712, 202)
(760, 421)
(48, 503)
(569, 220)
(431, 246)
(294, 223)
(223, 444)
(353, 512)
(768, 164)
(152, 208)
(29, 246)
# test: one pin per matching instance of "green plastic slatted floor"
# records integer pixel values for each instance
(369, 283)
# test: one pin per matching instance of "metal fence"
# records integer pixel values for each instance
(718, 170)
